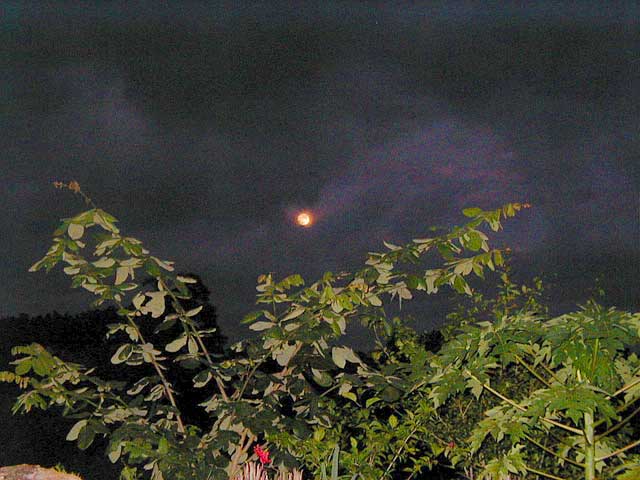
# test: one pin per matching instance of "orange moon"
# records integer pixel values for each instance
(304, 219)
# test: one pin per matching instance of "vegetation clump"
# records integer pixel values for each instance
(509, 394)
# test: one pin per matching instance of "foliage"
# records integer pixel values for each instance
(297, 388)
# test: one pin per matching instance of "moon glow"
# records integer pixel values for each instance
(304, 219)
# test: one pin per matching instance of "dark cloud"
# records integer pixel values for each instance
(205, 129)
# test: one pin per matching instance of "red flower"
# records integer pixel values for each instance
(451, 444)
(263, 455)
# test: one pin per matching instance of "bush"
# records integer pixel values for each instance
(296, 388)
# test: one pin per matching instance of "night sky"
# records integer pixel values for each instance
(205, 127)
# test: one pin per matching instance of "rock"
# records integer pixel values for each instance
(33, 472)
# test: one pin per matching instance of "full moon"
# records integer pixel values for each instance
(304, 219)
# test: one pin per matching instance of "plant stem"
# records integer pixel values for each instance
(626, 387)
(522, 409)
(165, 383)
(620, 424)
(532, 371)
(395, 457)
(548, 450)
(619, 451)
(543, 474)
(181, 311)
(589, 448)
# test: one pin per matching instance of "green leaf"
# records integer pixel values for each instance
(471, 212)
(334, 462)
(23, 366)
(295, 313)
(393, 421)
(104, 262)
(322, 378)
(340, 355)
(259, 326)
(85, 437)
(284, 354)
(374, 300)
(186, 279)
(252, 316)
(194, 312)
(76, 429)
(122, 354)
(176, 344)
(75, 231)
(371, 401)
(115, 452)
(192, 346)
(201, 379)
(155, 306)
(164, 264)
